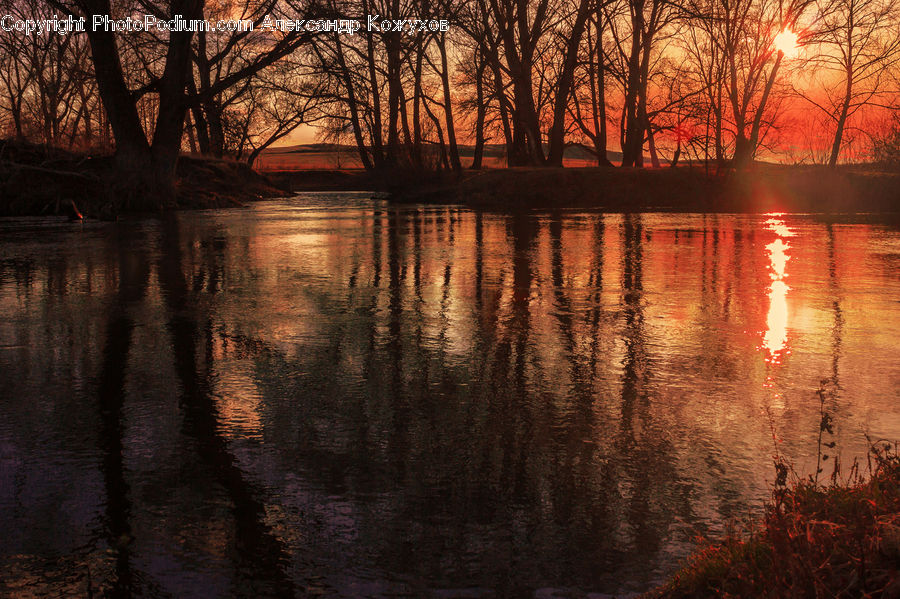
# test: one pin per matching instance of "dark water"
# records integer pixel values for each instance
(333, 397)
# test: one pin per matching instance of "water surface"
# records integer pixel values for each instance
(331, 396)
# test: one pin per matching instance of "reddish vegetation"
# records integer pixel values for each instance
(839, 540)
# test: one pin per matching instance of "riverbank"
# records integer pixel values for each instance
(36, 180)
(766, 188)
(838, 540)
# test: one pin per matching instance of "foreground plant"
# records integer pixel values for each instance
(841, 539)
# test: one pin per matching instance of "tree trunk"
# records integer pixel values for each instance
(634, 133)
(480, 115)
(448, 105)
(121, 110)
(377, 144)
(654, 157)
(598, 98)
(200, 126)
(211, 108)
(393, 74)
(527, 125)
(417, 108)
(842, 120)
(677, 155)
(404, 122)
(564, 86)
(720, 146)
(169, 129)
(505, 113)
(132, 155)
(745, 148)
(146, 171)
(354, 108)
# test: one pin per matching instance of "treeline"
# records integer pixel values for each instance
(657, 79)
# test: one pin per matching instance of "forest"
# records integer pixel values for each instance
(658, 81)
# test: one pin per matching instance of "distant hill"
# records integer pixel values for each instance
(310, 148)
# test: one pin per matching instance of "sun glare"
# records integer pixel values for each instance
(786, 42)
(775, 338)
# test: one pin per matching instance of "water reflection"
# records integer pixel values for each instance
(133, 280)
(344, 398)
(775, 339)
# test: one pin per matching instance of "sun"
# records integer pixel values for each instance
(786, 42)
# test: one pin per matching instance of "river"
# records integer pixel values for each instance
(333, 396)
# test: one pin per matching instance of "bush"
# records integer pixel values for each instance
(837, 540)
(886, 150)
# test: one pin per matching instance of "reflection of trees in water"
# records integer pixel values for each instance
(20, 270)
(830, 389)
(536, 456)
(133, 277)
(472, 430)
(258, 555)
(486, 457)
(62, 395)
(583, 477)
(837, 328)
(398, 444)
(643, 449)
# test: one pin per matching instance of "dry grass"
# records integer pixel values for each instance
(841, 539)
(76, 185)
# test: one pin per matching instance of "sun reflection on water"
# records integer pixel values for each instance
(775, 338)
(777, 225)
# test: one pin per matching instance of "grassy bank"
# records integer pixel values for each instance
(36, 180)
(399, 183)
(837, 540)
(765, 188)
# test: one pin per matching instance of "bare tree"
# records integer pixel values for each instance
(146, 163)
(47, 94)
(858, 41)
